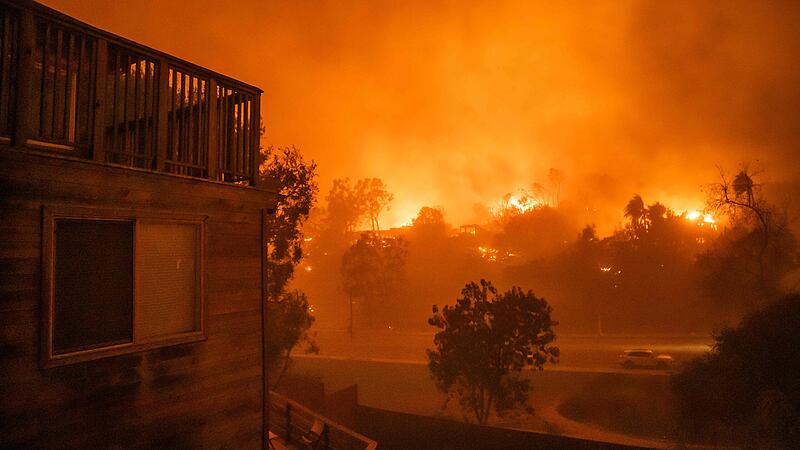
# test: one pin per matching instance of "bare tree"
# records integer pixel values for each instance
(556, 178)
(742, 200)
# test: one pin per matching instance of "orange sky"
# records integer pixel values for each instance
(454, 103)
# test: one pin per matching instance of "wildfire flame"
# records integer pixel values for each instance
(523, 204)
(695, 215)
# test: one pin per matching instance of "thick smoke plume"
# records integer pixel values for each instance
(457, 103)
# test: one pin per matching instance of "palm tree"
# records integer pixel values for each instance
(743, 187)
(635, 211)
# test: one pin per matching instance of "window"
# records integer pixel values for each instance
(117, 283)
(93, 285)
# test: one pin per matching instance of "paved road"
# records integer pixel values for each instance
(578, 352)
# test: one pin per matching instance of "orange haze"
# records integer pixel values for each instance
(454, 103)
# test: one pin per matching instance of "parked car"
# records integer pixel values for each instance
(645, 358)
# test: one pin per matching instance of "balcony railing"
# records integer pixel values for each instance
(69, 88)
(296, 425)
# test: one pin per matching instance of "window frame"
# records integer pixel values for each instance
(50, 215)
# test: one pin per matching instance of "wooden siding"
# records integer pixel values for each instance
(203, 394)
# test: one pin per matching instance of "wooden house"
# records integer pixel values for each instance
(131, 226)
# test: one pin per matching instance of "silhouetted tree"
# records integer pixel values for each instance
(429, 224)
(588, 234)
(635, 212)
(539, 232)
(348, 205)
(344, 208)
(373, 195)
(288, 322)
(428, 216)
(295, 179)
(747, 389)
(657, 212)
(762, 247)
(484, 342)
(576, 281)
(556, 178)
(539, 194)
(373, 272)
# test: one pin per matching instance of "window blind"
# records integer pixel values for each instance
(167, 279)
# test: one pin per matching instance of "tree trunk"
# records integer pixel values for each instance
(283, 370)
(350, 325)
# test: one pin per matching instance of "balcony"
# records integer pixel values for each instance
(69, 89)
(295, 425)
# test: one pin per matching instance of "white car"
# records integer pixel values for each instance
(645, 358)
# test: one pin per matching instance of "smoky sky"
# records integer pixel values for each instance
(454, 103)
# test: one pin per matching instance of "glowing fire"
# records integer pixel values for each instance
(695, 215)
(516, 204)
(523, 204)
(488, 253)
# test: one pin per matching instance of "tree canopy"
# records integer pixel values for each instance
(373, 271)
(747, 389)
(752, 257)
(288, 322)
(349, 205)
(344, 208)
(296, 182)
(429, 224)
(375, 199)
(484, 341)
(288, 313)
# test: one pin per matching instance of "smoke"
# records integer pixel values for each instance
(457, 103)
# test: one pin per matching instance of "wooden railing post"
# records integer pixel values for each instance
(255, 124)
(163, 104)
(326, 441)
(26, 118)
(213, 129)
(98, 137)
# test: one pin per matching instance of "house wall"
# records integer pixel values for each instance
(203, 394)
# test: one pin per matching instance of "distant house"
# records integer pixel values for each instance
(130, 244)
(471, 229)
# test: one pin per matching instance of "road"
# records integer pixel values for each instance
(578, 352)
